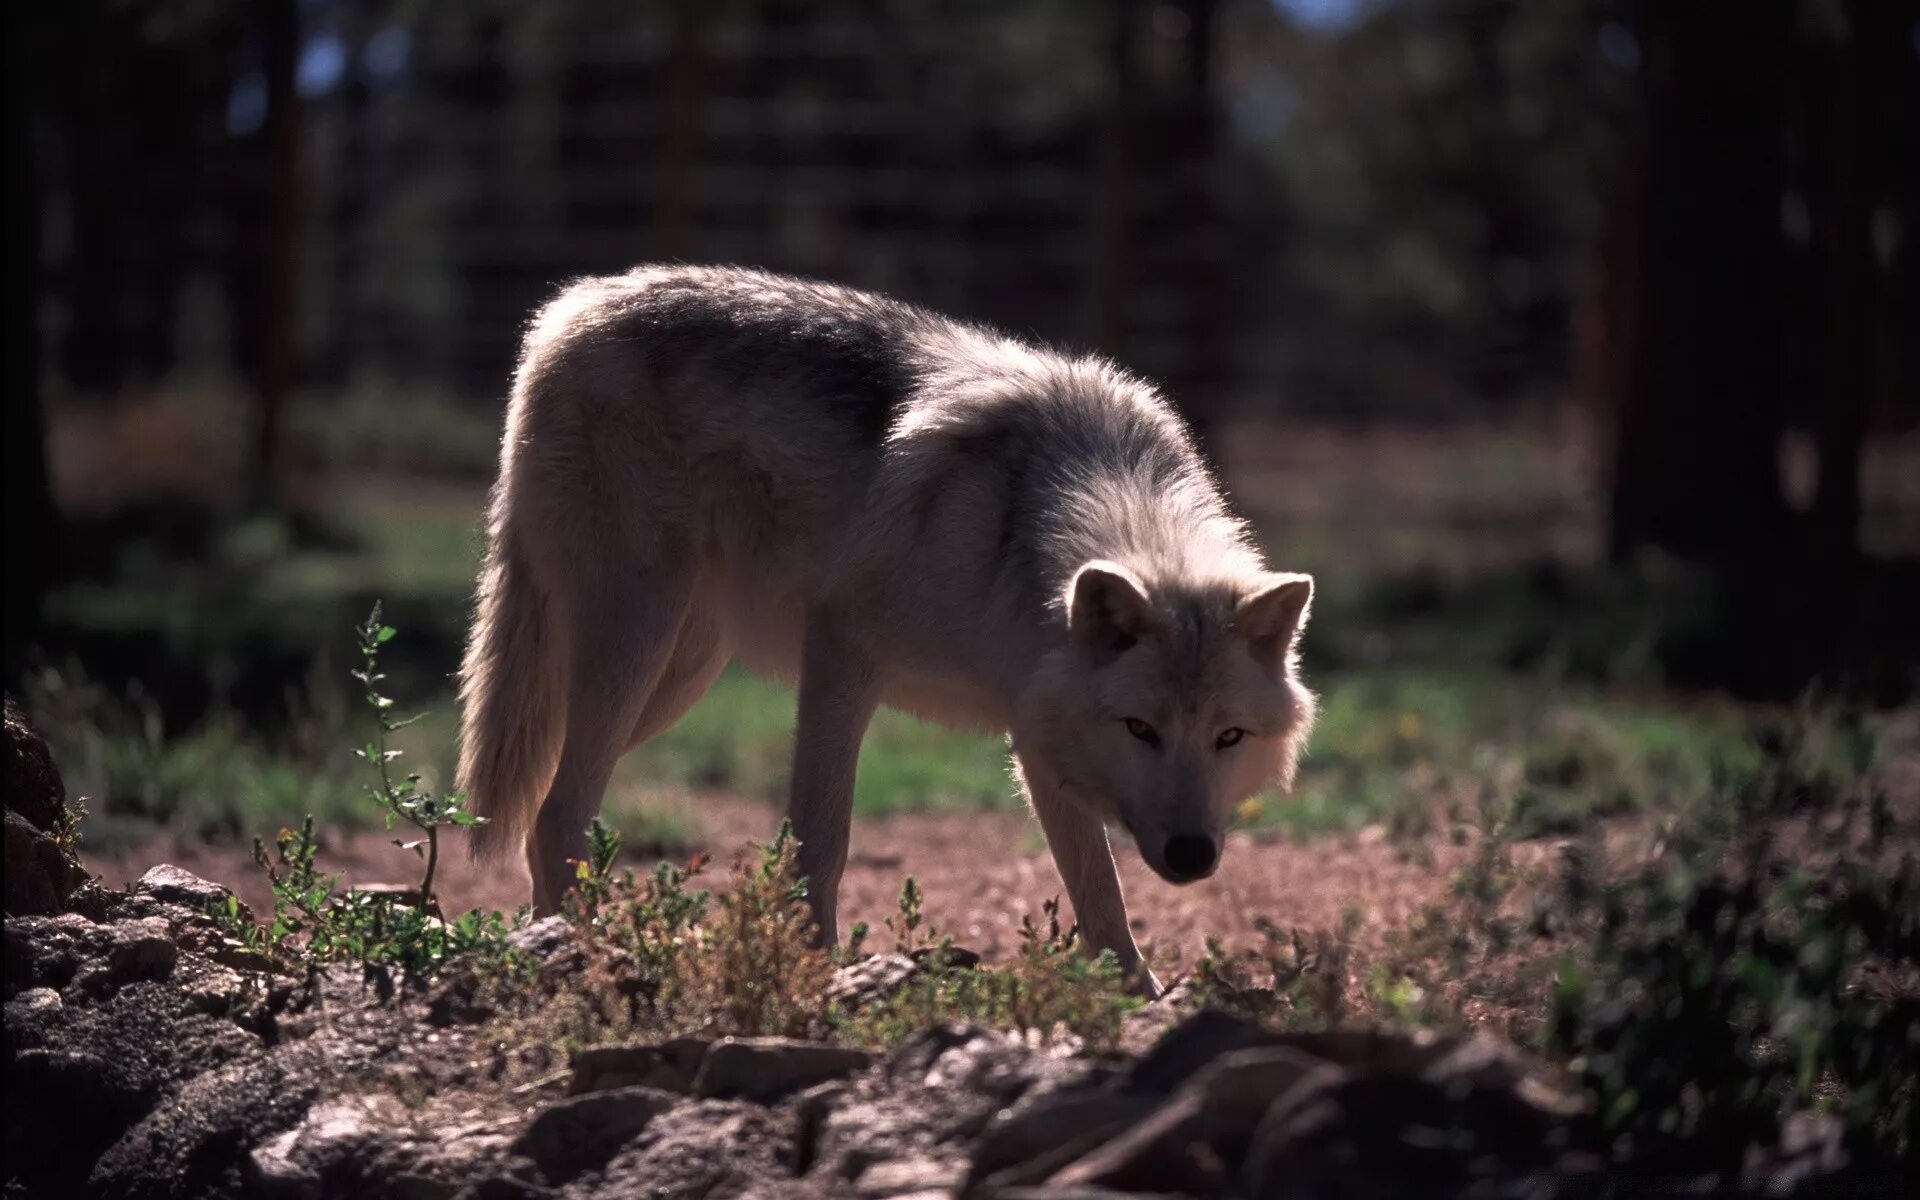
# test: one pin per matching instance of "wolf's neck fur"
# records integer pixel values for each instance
(1132, 489)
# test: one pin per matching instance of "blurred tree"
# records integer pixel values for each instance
(29, 513)
(281, 237)
(1695, 450)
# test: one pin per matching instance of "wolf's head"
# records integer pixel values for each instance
(1168, 706)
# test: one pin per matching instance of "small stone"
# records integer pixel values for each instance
(549, 942)
(214, 990)
(869, 981)
(907, 1177)
(230, 953)
(765, 1069)
(32, 1003)
(582, 1132)
(171, 885)
(141, 949)
(670, 1066)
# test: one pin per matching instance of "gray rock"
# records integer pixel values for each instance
(45, 951)
(765, 1069)
(903, 1177)
(196, 1143)
(670, 1066)
(869, 981)
(28, 777)
(38, 876)
(708, 1148)
(549, 942)
(171, 885)
(140, 949)
(583, 1132)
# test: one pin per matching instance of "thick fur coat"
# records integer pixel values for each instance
(887, 507)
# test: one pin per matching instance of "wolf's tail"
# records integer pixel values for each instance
(513, 699)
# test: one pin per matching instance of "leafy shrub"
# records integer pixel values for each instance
(1767, 962)
(1050, 987)
(314, 922)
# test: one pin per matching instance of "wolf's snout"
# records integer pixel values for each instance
(1190, 856)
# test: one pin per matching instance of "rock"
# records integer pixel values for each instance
(458, 1000)
(1388, 1134)
(669, 1067)
(241, 957)
(37, 873)
(196, 1144)
(141, 949)
(48, 951)
(32, 1003)
(1188, 1047)
(908, 1177)
(765, 1069)
(171, 885)
(1027, 1143)
(708, 1148)
(138, 949)
(213, 989)
(30, 781)
(869, 981)
(549, 942)
(1192, 1141)
(583, 1132)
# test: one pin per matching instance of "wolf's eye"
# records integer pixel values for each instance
(1230, 738)
(1143, 731)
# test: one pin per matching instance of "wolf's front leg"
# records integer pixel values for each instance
(1079, 843)
(838, 693)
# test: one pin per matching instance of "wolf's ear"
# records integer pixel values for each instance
(1107, 609)
(1270, 619)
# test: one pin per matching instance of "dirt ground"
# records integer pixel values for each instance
(981, 873)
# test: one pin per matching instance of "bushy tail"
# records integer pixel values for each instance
(512, 701)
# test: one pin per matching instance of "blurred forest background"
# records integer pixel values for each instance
(1571, 345)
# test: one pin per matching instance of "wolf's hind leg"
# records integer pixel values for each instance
(1080, 849)
(839, 689)
(624, 635)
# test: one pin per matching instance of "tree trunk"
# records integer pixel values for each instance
(29, 511)
(276, 365)
(1695, 465)
(1111, 219)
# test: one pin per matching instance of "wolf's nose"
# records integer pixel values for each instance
(1190, 855)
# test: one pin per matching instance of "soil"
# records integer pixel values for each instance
(981, 874)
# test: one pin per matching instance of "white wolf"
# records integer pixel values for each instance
(894, 508)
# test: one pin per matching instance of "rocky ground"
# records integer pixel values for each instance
(148, 1055)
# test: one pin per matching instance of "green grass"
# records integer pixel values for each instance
(741, 736)
(1392, 745)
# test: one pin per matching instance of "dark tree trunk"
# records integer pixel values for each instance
(1110, 221)
(1695, 466)
(1207, 371)
(29, 511)
(280, 264)
(1701, 397)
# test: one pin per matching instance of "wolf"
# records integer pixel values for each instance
(703, 464)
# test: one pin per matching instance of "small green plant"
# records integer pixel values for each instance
(315, 922)
(1051, 986)
(404, 799)
(1296, 979)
